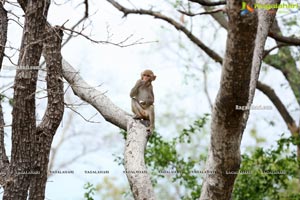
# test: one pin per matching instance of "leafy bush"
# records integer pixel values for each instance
(271, 173)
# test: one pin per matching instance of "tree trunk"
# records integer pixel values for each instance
(136, 170)
(3, 33)
(3, 37)
(24, 122)
(53, 115)
(244, 49)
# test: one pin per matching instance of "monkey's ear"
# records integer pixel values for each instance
(153, 77)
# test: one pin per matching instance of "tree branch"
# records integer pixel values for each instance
(54, 79)
(86, 12)
(265, 20)
(23, 4)
(208, 3)
(176, 24)
(203, 13)
(219, 17)
(136, 141)
(285, 62)
(267, 52)
(98, 100)
(53, 114)
(270, 93)
(288, 40)
(291, 124)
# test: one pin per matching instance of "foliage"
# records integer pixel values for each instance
(163, 157)
(109, 189)
(90, 191)
(270, 173)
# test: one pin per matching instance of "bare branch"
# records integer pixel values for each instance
(97, 99)
(72, 28)
(171, 21)
(83, 153)
(270, 93)
(86, 13)
(219, 17)
(288, 40)
(203, 13)
(119, 44)
(78, 113)
(267, 52)
(285, 62)
(10, 60)
(205, 87)
(208, 3)
(18, 22)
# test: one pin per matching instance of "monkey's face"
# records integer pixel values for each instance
(148, 76)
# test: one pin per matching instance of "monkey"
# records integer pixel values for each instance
(142, 98)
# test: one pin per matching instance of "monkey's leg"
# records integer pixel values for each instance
(151, 118)
(137, 110)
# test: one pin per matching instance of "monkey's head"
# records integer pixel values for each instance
(148, 73)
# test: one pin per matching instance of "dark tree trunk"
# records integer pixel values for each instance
(3, 33)
(3, 37)
(53, 115)
(24, 121)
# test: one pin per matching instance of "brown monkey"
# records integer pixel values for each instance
(142, 98)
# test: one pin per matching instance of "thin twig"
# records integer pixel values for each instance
(203, 13)
(85, 119)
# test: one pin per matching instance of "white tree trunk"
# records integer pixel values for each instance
(136, 170)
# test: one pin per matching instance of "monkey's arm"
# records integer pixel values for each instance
(134, 90)
(150, 96)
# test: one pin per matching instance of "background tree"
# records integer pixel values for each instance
(26, 173)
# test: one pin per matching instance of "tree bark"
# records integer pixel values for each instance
(24, 121)
(136, 171)
(244, 50)
(53, 115)
(3, 157)
(3, 37)
(3, 33)
(97, 99)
